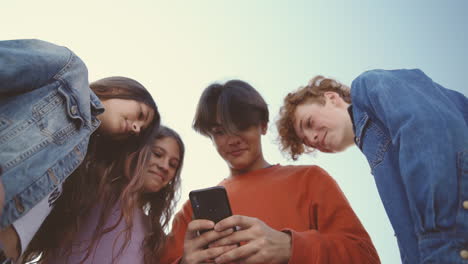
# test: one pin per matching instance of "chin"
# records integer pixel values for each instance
(153, 188)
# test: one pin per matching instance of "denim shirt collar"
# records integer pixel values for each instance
(359, 120)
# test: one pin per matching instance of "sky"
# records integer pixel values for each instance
(177, 48)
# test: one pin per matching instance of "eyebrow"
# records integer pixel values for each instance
(165, 151)
(301, 130)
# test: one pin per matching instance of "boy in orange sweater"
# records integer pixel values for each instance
(284, 214)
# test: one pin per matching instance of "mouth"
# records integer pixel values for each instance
(322, 142)
(323, 146)
(158, 174)
(237, 152)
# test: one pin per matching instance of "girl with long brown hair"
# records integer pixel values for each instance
(115, 217)
(54, 123)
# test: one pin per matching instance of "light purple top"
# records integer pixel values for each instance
(110, 243)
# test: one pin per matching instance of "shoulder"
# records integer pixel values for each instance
(374, 84)
(305, 172)
(372, 79)
(40, 59)
(36, 47)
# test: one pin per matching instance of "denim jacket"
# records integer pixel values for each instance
(414, 134)
(47, 114)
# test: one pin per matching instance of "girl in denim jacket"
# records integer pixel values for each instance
(48, 117)
(107, 223)
(414, 134)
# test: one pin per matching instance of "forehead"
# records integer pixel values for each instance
(169, 144)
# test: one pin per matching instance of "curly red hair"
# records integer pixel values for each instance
(313, 92)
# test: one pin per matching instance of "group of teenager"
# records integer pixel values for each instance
(89, 175)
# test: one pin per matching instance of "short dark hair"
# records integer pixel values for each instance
(236, 104)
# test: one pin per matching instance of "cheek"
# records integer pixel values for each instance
(308, 137)
(217, 143)
(171, 177)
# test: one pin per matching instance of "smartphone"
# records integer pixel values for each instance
(210, 203)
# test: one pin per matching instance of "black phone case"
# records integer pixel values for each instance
(210, 203)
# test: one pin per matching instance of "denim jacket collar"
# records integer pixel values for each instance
(359, 120)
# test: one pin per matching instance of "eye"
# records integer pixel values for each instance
(310, 123)
(158, 153)
(174, 164)
(218, 131)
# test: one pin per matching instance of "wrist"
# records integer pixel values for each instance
(287, 246)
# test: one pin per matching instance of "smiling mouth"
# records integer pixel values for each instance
(322, 143)
(157, 174)
(237, 152)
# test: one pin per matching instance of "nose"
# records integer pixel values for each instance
(135, 128)
(315, 137)
(163, 165)
(233, 140)
(311, 139)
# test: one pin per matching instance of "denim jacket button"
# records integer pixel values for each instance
(74, 110)
(95, 122)
(464, 254)
(465, 204)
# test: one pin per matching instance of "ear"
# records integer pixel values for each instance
(332, 97)
(264, 128)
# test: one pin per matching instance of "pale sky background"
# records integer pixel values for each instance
(177, 48)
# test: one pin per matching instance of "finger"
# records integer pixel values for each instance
(207, 255)
(209, 237)
(236, 238)
(238, 254)
(196, 225)
(241, 221)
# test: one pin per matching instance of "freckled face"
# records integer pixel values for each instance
(163, 166)
(327, 128)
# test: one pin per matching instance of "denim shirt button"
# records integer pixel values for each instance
(465, 204)
(464, 254)
(74, 110)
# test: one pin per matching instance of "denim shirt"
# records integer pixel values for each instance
(47, 114)
(414, 134)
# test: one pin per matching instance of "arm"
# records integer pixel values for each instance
(431, 137)
(174, 246)
(28, 64)
(336, 234)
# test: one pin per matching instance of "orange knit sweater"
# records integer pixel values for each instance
(303, 200)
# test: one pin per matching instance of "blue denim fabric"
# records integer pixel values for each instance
(414, 134)
(47, 114)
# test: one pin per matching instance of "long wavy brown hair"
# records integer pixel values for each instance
(313, 92)
(98, 178)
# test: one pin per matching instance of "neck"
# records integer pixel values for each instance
(349, 126)
(258, 164)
